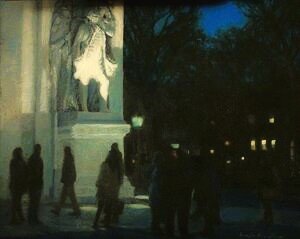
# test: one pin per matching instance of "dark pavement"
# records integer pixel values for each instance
(241, 214)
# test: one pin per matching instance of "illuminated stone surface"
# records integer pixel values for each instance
(28, 99)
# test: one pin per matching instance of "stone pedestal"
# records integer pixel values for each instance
(90, 136)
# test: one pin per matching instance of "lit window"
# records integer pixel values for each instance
(264, 144)
(242, 158)
(253, 145)
(227, 143)
(212, 151)
(228, 161)
(273, 143)
(271, 120)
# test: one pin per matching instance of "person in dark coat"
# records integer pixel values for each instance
(68, 179)
(35, 184)
(155, 193)
(209, 188)
(176, 191)
(17, 184)
(108, 185)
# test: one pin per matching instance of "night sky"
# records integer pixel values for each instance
(221, 17)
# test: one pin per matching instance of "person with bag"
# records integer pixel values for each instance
(108, 185)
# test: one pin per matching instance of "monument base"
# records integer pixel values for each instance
(90, 140)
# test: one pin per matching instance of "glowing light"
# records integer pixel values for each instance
(133, 161)
(175, 146)
(253, 145)
(264, 144)
(212, 151)
(137, 121)
(227, 143)
(228, 161)
(273, 143)
(271, 120)
(242, 158)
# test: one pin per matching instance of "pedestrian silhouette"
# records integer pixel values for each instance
(68, 179)
(17, 185)
(176, 191)
(108, 185)
(35, 184)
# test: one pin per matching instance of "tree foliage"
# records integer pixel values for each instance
(185, 79)
(162, 51)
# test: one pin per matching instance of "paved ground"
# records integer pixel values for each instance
(240, 213)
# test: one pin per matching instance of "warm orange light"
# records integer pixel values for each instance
(227, 143)
(264, 144)
(253, 145)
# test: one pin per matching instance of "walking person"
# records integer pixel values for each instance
(68, 179)
(35, 184)
(176, 190)
(108, 185)
(17, 185)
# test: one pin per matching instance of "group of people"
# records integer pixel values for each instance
(27, 177)
(175, 178)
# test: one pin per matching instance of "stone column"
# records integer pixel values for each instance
(15, 77)
(44, 116)
(29, 49)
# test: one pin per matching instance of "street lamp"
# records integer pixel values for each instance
(137, 121)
